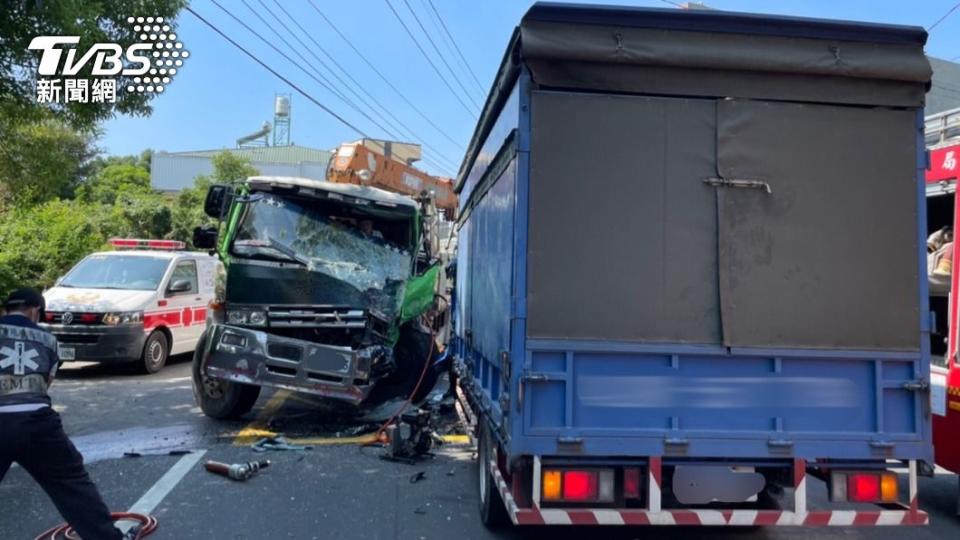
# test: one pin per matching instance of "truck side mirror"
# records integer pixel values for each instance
(205, 237)
(218, 200)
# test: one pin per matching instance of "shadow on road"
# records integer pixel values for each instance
(95, 370)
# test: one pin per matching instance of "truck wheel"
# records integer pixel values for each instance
(218, 398)
(493, 513)
(156, 350)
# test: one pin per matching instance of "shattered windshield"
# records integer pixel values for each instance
(283, 230)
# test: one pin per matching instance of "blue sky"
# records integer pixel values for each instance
(220, 94)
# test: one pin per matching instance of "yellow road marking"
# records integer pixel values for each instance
(257, 429)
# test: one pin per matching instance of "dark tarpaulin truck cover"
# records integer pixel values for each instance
(638, 114)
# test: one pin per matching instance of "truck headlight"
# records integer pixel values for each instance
(247, 318)
(123, 317)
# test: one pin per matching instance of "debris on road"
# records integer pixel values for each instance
(237, 471)
(418, 476)
(278, 444)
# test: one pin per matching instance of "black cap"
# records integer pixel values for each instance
(24, 297)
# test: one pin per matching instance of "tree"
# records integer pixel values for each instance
(228, 168)
(143, 214)
(40, 243)
(42, 161)
(116, 179)
(94, 21)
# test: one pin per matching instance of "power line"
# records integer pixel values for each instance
(349, 102)
(387, 81)
(326, 83)
(674, 4)
(396, 121)
(299, 90)
(434, 66)
(440, 54)
(455, 46)
(941, 19)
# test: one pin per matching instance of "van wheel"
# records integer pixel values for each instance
(493, 513)
(218, 398)
(156, 350)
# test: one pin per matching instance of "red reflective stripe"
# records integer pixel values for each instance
(864, 519)
(799, 471)
(529, 517)
(635, 518)
(683, 517)
(767, 517)
(655, 470)
(818, 519)
(580, 517)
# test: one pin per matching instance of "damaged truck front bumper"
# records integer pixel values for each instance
(255, 357)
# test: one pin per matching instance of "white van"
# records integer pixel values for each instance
(140, 304)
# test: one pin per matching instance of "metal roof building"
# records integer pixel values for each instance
(174, 171)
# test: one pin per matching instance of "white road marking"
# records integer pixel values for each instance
(163, 487)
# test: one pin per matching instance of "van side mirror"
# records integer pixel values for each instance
(179, 286)
(205, 237)
(218, 200)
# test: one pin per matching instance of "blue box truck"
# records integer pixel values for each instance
(691, 271)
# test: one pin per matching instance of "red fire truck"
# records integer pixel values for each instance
(943, 143)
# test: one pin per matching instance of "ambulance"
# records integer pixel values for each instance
(139, 304)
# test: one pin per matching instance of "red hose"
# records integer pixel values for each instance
(148, 524)
(381, 435)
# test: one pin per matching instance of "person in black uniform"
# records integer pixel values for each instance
(32, 434)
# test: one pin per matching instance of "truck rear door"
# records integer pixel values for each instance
(671, 295)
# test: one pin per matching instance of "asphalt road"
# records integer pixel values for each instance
(332, 491)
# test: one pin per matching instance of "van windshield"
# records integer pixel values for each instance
(117, 272)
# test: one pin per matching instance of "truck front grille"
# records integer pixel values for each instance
(312, 317)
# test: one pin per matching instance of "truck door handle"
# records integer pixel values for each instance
(738, 183)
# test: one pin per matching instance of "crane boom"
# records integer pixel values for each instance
(388, 166)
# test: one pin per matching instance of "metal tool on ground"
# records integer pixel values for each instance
(411, 438)
(278, 444)
(146, 525)
(237, 471)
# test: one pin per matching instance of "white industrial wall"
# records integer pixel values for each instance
(171, 172)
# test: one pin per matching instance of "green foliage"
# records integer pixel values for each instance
(41, 161)
(38, 244)
(228, 168)
(142, 215)
(113, 180)
(95, 21)
(188, 211)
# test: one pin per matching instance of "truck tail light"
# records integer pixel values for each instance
(551, 485)
(631, 483)
(865, 487)
(578, 486)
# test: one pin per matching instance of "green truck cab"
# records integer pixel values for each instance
(323, 292)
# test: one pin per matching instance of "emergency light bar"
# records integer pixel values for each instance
(137, 243)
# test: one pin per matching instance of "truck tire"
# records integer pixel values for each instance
(156, 350)
(493, 513)
(218, 398)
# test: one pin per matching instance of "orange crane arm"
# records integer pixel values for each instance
(357, 164)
